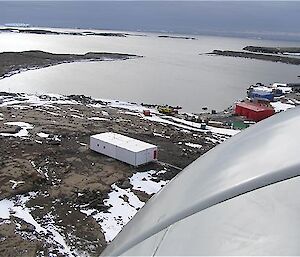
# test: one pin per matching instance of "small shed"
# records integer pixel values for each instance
(147, 112)
(252, 111)
(123, 148)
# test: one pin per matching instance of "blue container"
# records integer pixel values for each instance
(262, 95)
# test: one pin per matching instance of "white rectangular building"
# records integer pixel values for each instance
(123, 148)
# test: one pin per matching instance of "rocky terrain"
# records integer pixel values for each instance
(15, 62)
(259, 56)
(272, 50)
(59, 198)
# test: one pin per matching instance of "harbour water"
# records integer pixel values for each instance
(173, 71)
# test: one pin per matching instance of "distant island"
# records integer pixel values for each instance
(15, 62)
(52, 32)
(286, 55)
(177, 37)
(273, 50)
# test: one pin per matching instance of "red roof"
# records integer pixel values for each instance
(254, 107)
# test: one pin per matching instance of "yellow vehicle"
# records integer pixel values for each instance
(165, 110)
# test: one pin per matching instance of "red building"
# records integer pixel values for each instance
(147, 112)
(253, 111)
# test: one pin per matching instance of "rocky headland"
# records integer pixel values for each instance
(16, 62)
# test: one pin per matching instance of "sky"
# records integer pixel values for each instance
(188, 17)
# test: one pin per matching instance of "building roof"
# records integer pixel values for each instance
(279, 84)
(241, 198)
(125, 142)
(254, 106)
(259, 92)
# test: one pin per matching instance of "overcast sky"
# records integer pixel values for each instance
(182, 17)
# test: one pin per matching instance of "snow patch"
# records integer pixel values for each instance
(278, 106)
(15, 183)
(142, 181)
(23, 131)
(42, 135)
(98, 118)
(17, 208)
(124, 204)
(193, 145)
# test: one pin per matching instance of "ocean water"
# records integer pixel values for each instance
(172, 71)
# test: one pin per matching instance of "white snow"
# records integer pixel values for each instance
(76, 116)
(5, 207)
(45, 135)
(285, 90)
(98, 118)
(193, 145)
(42, 135)
(142, 181)
(123, 209)
(213, 140)
(104, 113)
(74, 110)
(129, 106)
(160, 135)
(278, 106)
(295, 54)
(132, 113)
(22, 133)
(16, 183)
(35, 100)
(119, 214)
(17, 208)
(191, 126)
(223, 131)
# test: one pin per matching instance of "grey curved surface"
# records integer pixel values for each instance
(258, 157)
(261, 222)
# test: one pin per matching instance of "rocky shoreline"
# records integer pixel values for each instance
(272, 50)
(258, 56)
(15, 62)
